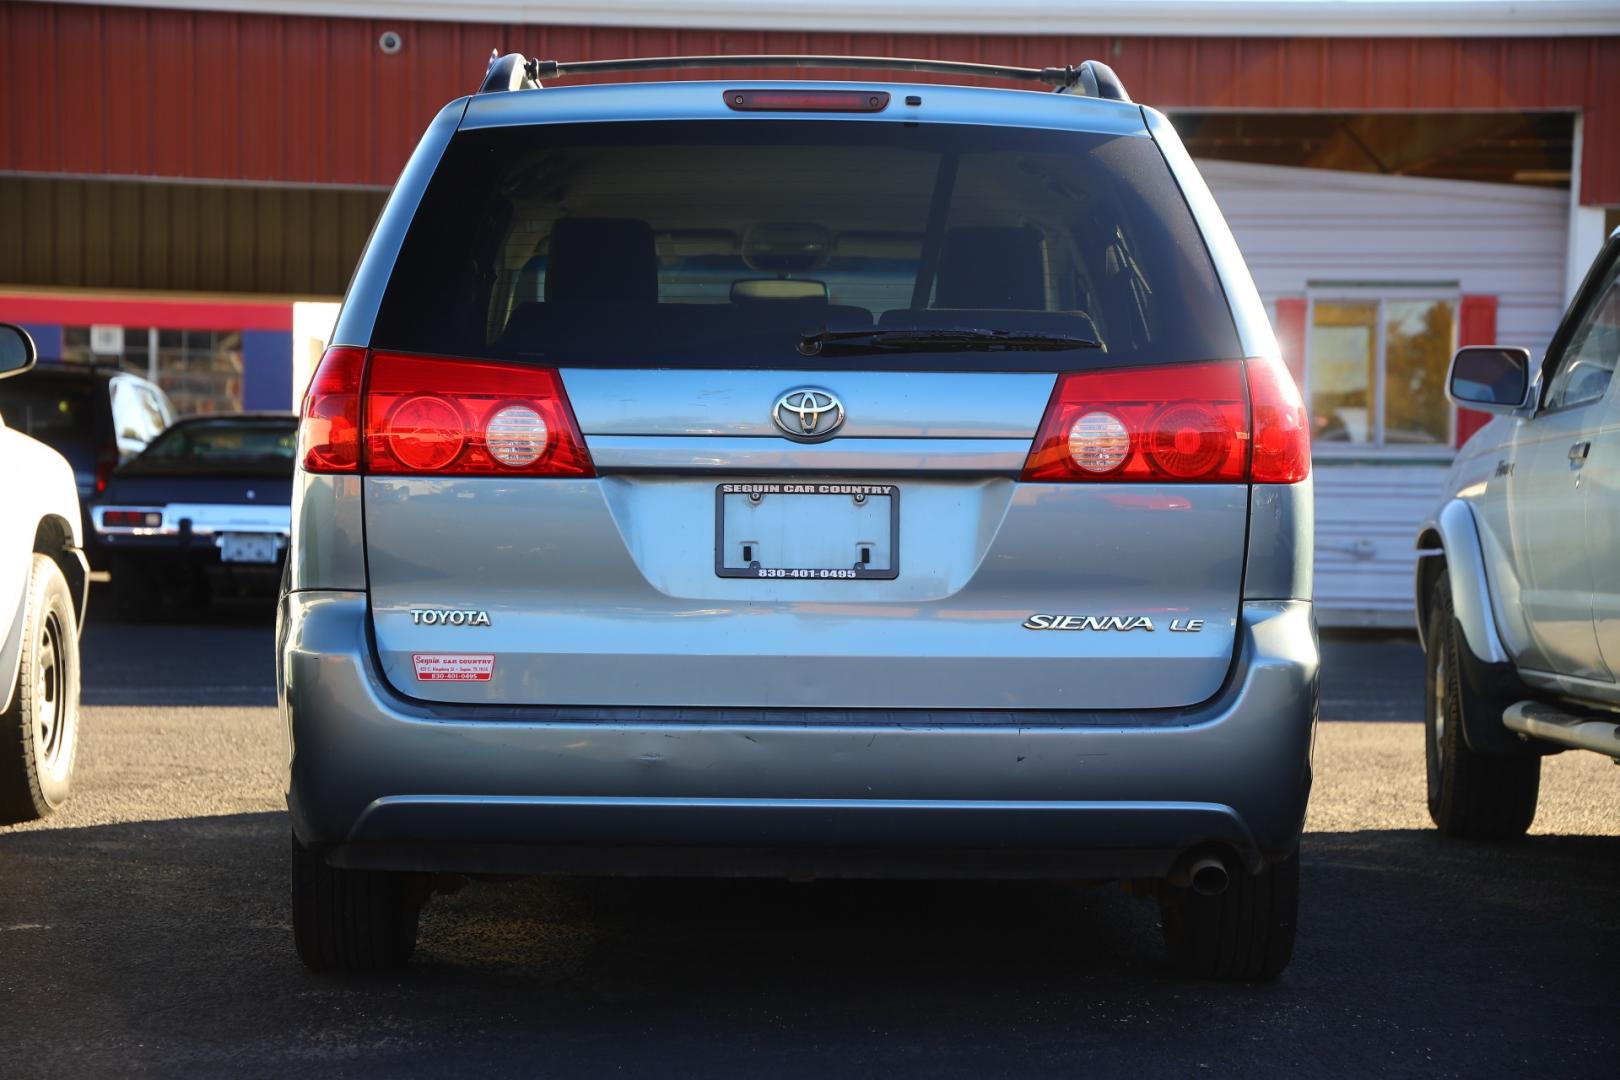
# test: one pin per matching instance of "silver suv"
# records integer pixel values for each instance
(1518, 585)
(800, 478)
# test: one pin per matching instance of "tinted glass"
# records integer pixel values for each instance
(719, 243)
(1588, 362)
(257, 447)
(61, 413)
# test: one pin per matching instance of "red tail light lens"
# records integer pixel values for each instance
(1282, 441)
(329, 427)
(131, 519)
(426, 415)
(1181, 423)
(106, 462)
(400, 415)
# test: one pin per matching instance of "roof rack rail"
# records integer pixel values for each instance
(514, 71)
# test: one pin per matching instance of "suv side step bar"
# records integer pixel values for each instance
(1540, 721)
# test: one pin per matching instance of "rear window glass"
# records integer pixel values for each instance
(719, 243)
(57, 412)
(259, 447)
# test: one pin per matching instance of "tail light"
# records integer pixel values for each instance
(329, 429)
(402, 415)
(1223, 422)
(1282, 439)
(132, 519)
(469, 418)
(106, 462)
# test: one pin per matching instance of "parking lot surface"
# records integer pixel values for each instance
(144, 930)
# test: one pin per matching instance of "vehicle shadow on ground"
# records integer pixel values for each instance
(165, 945)
(223, 654)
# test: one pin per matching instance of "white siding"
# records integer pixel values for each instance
(1302, 225)
(1298, 226)
(1367, 518)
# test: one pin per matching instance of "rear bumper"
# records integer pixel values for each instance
(391, 783)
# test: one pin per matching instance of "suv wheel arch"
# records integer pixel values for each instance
(54, 539)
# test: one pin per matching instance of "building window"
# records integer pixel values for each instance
(1375, 369)
(200, 370)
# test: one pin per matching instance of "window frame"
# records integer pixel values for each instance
(1379, 295)
(1590, 292)
(156, 361)
(417, 311)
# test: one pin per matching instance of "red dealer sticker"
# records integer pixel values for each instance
(453, 667)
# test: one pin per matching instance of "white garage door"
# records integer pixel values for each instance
(1375, 263)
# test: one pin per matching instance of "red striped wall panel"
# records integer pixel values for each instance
(114, 90)
(1290, 330)
(1476, 325)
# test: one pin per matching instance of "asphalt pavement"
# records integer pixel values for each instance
(143, 930)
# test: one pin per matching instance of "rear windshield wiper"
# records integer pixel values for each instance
(955, 339)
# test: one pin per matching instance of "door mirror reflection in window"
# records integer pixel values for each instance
(1491, 378)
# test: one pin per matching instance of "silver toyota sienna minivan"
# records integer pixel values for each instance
(800, 478)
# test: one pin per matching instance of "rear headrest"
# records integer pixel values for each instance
(999, 267)
(602, 259)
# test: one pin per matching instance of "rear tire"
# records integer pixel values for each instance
(352, 920)
(39, 731)
(1245, 932)
(1471, 794)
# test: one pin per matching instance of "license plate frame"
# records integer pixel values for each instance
(251, 549)
(815, 490)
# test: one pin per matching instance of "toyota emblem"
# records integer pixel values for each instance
(808, 414)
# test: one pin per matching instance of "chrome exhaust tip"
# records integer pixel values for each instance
(1204, 873)
(1208, 876)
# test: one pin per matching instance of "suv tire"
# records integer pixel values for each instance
(39, 730)
(351, 920)
(1470, 794)
(1245, 932)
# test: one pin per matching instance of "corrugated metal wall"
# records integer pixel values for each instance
(168, 237)
(118, 90)
(1301, 230)
(1297, 226)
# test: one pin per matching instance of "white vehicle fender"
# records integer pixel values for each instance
(40, 507)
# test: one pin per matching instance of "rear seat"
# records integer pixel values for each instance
(602, 296)
(985, 273)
